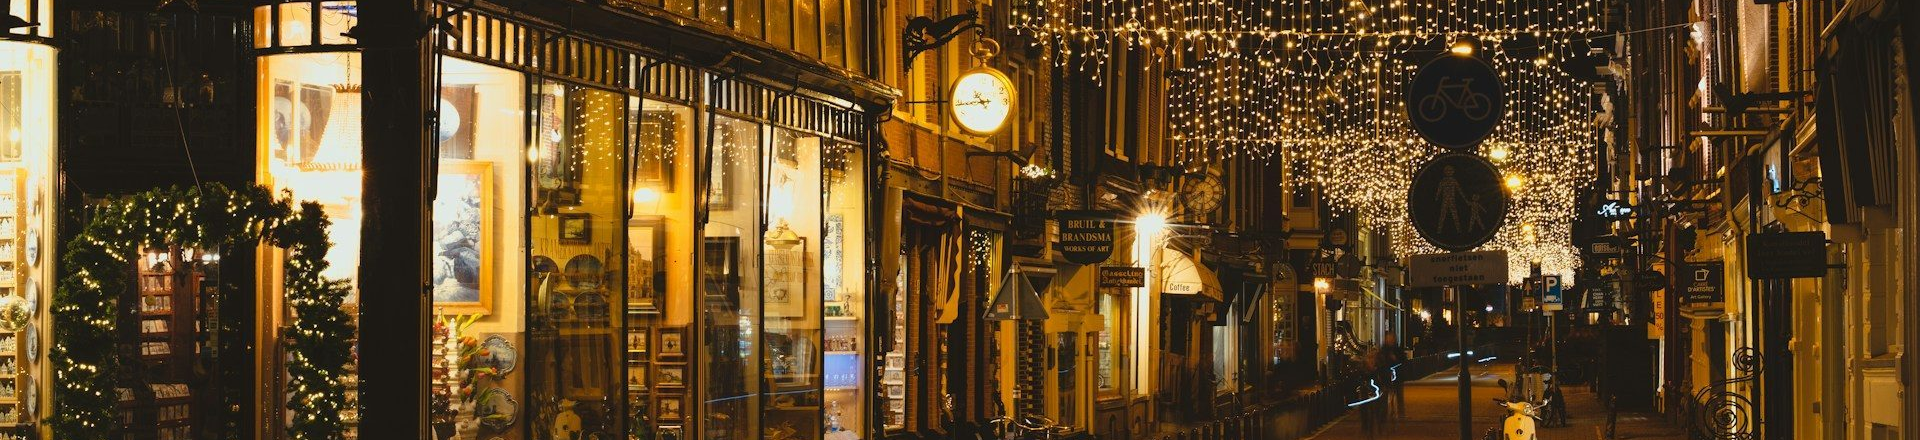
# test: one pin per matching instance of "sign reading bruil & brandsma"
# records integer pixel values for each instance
(1457, 269)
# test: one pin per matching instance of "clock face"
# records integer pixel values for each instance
(981, 101)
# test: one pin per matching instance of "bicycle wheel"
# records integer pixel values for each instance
(1432, 108)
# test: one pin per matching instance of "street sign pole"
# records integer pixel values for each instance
(1465, 378)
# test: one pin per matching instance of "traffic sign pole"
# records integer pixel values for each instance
(1465, 378)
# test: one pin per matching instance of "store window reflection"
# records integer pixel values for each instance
(843, 292)
(791, 281)
(1112, 308)
(659, 268)
(479, 222)
(577, 261)
(730, 284)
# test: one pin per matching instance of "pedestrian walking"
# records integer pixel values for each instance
(1392, 357)
(1371, 405)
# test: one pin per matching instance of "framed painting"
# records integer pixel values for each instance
(646, 264)
(576, 228)
(786, 276)
(655, 149)
(673, 342)
(463, 238)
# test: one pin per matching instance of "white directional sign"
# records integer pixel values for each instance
(1458, 269)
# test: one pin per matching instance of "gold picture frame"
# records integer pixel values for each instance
(462, 239)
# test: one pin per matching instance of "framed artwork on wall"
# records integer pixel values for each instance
(786, 272)
(646, 264)
(673, 342)
(656, 146)
(463, 238)
(576, 228)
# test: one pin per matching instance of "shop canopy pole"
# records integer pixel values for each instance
(393, 257)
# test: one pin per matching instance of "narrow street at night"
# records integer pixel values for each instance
(959, 219)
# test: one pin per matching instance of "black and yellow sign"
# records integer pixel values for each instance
(1086, 237)
(1123, 276)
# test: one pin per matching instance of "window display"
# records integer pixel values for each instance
(27, 216)
(578, 210)
(659, 266)
(843, 263)
(730, 290)
(1112, 309)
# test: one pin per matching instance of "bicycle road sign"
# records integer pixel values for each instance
(1455, 101)
(1457, 201)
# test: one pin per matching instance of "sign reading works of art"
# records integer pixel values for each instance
(1123, 276)
(1701, 285)
(1455, 101)
(1786, 255)
(1457, 201)
(1086, 237)
(1458, 269)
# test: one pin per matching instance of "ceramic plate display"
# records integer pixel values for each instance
(591, 306)
(496, 409)
(33, 246)
(500, 354)
(32, 299)
(559, 306)
(33, 343)
(584, 272)
(31, 397)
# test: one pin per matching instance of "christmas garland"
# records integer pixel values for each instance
(94, 272)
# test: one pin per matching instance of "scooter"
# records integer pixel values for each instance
(1520, 423)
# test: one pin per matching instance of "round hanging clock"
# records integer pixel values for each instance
(982, 100)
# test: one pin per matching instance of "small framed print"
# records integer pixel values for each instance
(673, 342)
(637, 340)
(672, 375)
(576, 228)
(898, 406)
(897, 391)
(669, 408)
(672, 432)
(636, 376)
(896, 362)
(894, 376)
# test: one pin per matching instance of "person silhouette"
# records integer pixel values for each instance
(1449, 195)
(1476, 213)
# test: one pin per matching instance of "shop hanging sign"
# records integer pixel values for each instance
(1786, 255)
(1457, 201)
(1458, 269)
(1613, 210)
(1123, 277)
(1086, 237)
(1701, 284)
(1455, 101)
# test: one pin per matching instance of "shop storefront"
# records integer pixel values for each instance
(622, 245)
(27, 214)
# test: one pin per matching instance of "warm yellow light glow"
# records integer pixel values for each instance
(1499, 154)
(1150, 224)
(1462, 48)
(981, 101)
(1322, 285)
(645, 194)
(1515, 182)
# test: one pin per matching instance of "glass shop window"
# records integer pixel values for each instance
(791, 282)
(313, 148)
(1226, 351)
(478, 224)
(27, 219)
(659, 268)
(576, 261)
(1112, 310)
(730, 290)
(843, 291)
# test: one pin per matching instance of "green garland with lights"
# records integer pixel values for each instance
(94, 272)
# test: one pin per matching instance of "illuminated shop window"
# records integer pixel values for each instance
(27, 216)
(843, 291)
(1112, 313)
(730, 292)
(659, 266)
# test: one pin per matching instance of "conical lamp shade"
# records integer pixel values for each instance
(339, 148)
(1016, 300)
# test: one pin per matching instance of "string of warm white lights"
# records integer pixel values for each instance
(1090, 31)
(1335, 116)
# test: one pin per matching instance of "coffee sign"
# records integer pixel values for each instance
(1086, 237)
(1701, 284)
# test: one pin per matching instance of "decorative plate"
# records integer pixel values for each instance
(559, 305)
(592, 306)
(33, 343)
(32, 298)
(496, 409)
(31, 396)
(542, 265)
(500, 354)
(33, 246)
(584, 271)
